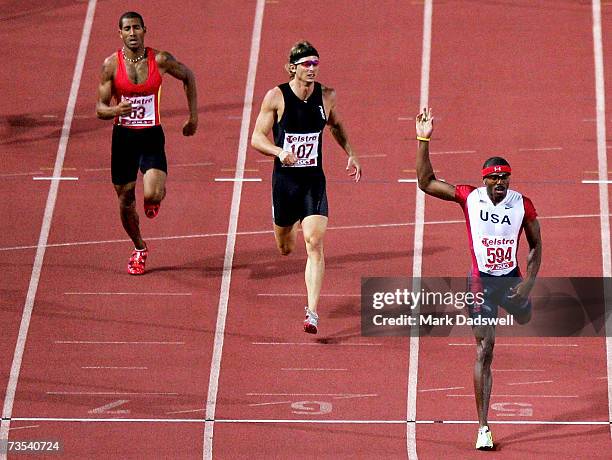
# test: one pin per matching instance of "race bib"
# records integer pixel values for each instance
(305, 147)
(499, 254)
(143, 111)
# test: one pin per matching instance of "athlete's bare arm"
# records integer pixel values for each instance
(104, 109)
(534, 258)
(272, 107)
(168, 64)
(425, 173)
(337, 129)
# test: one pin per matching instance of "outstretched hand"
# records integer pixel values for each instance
(424, 123)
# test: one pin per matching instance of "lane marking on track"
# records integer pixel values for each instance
(302, 344)
(452, 152)
(132, 293)
(55, 178)
(570, 345)
(539, 149)
(441, 389)
(377, 155)
(113, 393)
(537, 382)
(232, 227)
(417, 249)
(593, 181)
(518, 396)
(410, 181)
(300, 421)
(186, 411)
(11, 388)
(237, 179)
(20, 174)
(517, 370)
(269, 232)
(23, 427)
(286, 294)
(604, 207)
(92, 342)
(128, 368)
(338, 395)
(270, 403)
(308, 369)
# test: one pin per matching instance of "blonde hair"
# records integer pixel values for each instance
(299, 50)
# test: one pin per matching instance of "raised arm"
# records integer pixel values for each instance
(337, 129)
(104, 109)
(263, 125)
(425, 173)
(168, 64)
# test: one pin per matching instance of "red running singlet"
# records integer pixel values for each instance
(144, 96)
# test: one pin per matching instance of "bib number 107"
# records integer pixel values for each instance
(499, 255)
(302, 150)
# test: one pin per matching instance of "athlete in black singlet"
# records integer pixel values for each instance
(297, 112)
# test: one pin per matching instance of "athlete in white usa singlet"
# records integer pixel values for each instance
(495, 217)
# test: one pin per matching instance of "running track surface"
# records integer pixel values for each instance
(118, 366)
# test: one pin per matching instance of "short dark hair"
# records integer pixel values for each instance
(495, 161)
(130, 15)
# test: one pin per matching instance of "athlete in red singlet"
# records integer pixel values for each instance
(132, 77)
(495, 217)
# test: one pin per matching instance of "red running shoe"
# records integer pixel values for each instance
(136, 264)
(151, 210)
(311, 322)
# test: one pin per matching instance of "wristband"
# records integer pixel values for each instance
(424, 139)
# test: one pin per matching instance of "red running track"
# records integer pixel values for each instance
(104, 349)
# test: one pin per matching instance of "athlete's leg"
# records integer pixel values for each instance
(483, 380)
(314, 230)
(154, 182)
(127, 210)
(285, 238)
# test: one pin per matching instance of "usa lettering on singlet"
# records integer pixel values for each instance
(144, 97)
(494, 230)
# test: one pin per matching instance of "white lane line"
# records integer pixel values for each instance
(92, 342)
(300, 421)
(441, 389)
(562, 345)
(213, 382)
(270, 403)
(135, 368)
(409, 181)
(132, 293)
(417, 260)
(55, 178)
(11, 387)
(531, 383)
(106, 393)
(308, 369)
(302, 344)
(268, 232)
(604, 208)
(237, 179)
(596, 181)
(539, 149)
(20, 174)
(517, 396)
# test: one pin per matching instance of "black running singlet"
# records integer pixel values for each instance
(300, 130)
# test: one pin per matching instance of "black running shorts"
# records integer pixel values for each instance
(134, 149)
(296, 196)
(496, 291)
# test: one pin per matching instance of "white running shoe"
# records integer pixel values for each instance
(485, 439)
(311, 322)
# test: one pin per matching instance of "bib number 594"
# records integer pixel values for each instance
(499, 255)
